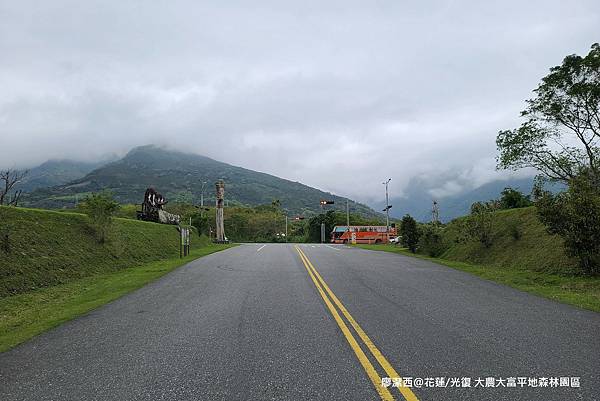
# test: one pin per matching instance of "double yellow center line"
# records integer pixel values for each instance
(330, 299)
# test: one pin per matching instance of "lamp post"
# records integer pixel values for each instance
(387, 210)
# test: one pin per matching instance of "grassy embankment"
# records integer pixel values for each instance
(522, 255)
(52, 269)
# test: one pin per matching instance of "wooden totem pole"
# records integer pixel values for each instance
(220, 186)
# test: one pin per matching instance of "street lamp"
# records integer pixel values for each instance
(387, 210)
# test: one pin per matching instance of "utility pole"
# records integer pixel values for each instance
(387, 210)
(286, 226)
(324, 203)
(202, 194)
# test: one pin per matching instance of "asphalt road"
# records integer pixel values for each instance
(319, 323)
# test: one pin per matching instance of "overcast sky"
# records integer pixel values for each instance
(336, 94)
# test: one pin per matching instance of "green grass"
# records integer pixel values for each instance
(580, 291)
(25, 315)
(47, 248)
(533, 249)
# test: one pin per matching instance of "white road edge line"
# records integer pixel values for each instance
(261, 247)
(332, 247)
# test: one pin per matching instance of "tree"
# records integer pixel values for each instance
(314, 226)
(100, 207)
(575, 216)
(8, 179)
(409, 233)
(513, 199)
(561, 134)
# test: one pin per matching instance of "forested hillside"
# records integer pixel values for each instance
(180, 176)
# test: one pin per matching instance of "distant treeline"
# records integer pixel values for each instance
(263, 223)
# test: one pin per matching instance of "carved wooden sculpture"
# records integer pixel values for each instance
(220, 186)
(152, 209)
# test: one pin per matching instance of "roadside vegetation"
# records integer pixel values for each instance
(41, 248)
(560, 138)
(514, 238)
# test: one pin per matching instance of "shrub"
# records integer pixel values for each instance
(431, 240)
(100, 207)
(202, 223)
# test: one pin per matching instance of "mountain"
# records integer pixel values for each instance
(179, 176)
(55, 172)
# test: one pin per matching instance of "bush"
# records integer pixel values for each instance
(202, 223)
(100, 207)
(431, 240)
(575, 216)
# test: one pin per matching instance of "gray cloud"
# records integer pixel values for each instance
(338, 95)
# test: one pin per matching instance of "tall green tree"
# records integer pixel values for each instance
(409, 232)
(561, 131)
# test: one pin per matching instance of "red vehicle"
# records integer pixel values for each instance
(362, 234)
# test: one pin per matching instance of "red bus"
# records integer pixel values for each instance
(362, 234)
